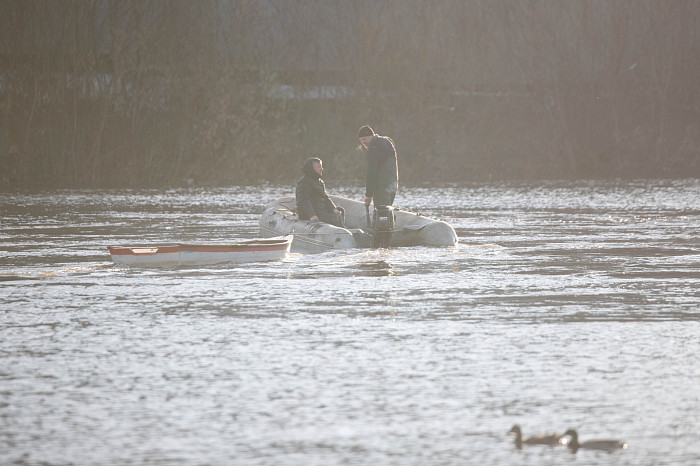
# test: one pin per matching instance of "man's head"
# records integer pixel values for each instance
(318, 167)
(365, 135)
(313, 165)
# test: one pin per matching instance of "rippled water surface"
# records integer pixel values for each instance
(566, 304)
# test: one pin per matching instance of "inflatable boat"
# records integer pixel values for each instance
(409, 228)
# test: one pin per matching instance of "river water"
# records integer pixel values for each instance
(565, 304)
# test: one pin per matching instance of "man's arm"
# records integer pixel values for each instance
(373, 159)
(330, 205)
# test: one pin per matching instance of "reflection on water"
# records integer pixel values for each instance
(378, 268)
(564, 305)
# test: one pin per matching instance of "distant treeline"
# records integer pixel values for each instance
(119, 93)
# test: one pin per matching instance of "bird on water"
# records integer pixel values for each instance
(608, 445)
(540, 439)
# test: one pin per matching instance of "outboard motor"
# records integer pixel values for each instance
(383, 226)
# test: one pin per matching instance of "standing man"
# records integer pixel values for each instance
(382, 168)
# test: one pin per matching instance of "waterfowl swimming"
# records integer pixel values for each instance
(540, 439)
(608, 445)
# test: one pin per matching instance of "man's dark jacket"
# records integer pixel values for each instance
(382, 171)
(311, 193)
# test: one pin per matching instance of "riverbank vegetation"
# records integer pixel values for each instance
(107, 93)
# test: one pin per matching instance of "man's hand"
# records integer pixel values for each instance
(368, 201)
(314, 218)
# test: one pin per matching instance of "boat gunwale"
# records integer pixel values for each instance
(263, 244)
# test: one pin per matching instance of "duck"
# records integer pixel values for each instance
(608, 445)
(540, 439)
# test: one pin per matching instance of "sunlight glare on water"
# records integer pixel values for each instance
(565, 304)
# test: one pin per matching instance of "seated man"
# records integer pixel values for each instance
(312, 201)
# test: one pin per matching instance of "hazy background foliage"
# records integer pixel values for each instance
(167, 92)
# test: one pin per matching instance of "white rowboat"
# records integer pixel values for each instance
(257, 250)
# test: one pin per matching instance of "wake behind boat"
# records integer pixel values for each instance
(256, 250)
(409, 229)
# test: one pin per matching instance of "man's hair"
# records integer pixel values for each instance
(365, 131)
